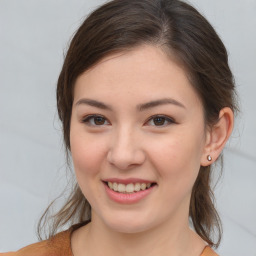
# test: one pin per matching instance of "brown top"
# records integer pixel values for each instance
(60, 245)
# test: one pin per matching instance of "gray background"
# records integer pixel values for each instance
(33, 37)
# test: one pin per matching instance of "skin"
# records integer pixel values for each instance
(129, 143)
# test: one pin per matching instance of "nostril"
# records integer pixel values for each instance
(125, 159)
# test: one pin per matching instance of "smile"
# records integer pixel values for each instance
(128, 191)
(128, 188)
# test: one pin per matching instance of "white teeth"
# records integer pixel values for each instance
(110, 185)
(143, 186)
(137, 187)
(121, 188)
(129, 188)
(115, 186)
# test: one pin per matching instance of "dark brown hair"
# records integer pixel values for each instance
(180, 31)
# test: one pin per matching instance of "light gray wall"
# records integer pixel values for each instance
(33, 38)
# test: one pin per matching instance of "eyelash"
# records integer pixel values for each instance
(92, 117)
(167, 119)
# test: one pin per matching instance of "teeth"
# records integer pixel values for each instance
(137, 187)
(115, 186)
(121, 188)
(143, 186)
(110, 185)
(129, 188)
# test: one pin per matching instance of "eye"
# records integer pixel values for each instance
(159, 120)
(95, 120)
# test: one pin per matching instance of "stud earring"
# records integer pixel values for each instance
(209, 158)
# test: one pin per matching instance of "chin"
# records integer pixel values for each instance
(128, 224)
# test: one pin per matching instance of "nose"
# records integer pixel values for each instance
(126, 150)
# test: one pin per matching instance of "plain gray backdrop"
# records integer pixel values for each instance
(34, 35)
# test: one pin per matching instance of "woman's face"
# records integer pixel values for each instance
(137, 122)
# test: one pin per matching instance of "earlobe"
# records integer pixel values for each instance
(218, 136)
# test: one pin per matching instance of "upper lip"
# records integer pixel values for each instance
(128, 181)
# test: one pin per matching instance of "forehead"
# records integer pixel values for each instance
(144, 72)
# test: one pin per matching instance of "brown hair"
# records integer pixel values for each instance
(184, 33)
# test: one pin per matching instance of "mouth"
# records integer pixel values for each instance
(129, 188)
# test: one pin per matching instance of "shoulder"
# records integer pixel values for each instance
(208, 251)
(56, 246)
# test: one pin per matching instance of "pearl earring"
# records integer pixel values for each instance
(209, 158)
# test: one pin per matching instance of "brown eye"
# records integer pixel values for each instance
(160, 121)
(95, 120)
(99, 120)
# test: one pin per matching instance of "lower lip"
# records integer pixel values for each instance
(127, 198)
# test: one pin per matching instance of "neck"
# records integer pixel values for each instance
(171, 238)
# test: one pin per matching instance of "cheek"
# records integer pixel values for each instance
(178, 157)
(87, 154)
(88, 157)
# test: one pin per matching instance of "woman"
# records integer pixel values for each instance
(146, 98)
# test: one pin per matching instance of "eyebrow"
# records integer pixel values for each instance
(93, 103)
(140, 107)
(159, 102)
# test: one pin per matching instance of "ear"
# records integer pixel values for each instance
(217, 136)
